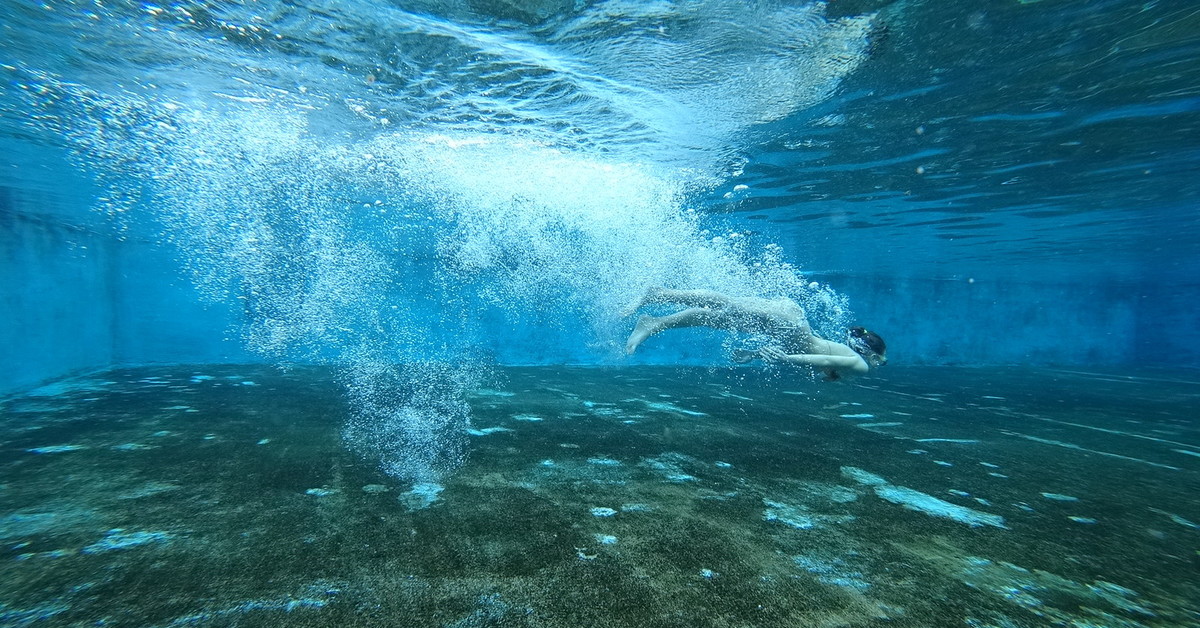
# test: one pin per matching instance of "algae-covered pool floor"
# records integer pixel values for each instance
(640, 496)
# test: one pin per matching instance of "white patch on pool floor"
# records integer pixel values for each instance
(669, 466)
(798, 516)
(132, 447)
(488, 430)
(922, 502)
(119, 539)
(1176, 518)
(487, 392)
(671, 408)
(55, 449)
(422, 495)
(833, 571)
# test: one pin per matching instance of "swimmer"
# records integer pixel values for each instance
(782, 320)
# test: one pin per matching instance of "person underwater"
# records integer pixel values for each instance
(782, 320)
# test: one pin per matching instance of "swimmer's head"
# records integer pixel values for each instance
(869, 345)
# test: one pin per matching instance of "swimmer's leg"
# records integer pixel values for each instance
(690, 298)
(649, 325)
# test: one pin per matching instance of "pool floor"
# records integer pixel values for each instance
(634, 496)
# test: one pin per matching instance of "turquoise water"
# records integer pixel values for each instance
(643, 496)
(315, 313)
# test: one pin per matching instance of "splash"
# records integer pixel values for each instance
(543, 174)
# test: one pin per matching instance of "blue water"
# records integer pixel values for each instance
(415, 197)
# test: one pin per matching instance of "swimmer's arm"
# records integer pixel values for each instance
(841, 363)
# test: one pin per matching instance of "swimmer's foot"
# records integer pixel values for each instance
(643, 330)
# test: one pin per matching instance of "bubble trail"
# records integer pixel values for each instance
(380, 213)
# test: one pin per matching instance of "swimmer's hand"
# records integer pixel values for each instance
(742, 356)
(772, 354)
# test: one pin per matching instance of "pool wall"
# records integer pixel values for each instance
(80, 291)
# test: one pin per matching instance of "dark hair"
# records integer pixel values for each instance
(871, 339)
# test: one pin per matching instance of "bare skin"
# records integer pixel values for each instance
(782, 320)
